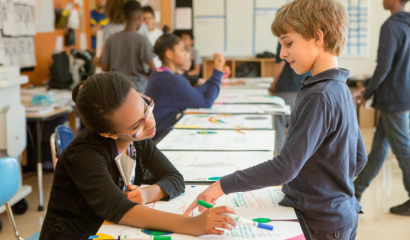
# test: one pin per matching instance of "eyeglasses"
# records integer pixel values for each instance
(149, 107)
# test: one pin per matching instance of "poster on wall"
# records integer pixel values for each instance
(44, 15)
(183, 18)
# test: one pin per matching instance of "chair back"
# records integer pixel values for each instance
(9, 179)
(64, 136)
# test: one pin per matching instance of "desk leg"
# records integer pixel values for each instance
(39, 165)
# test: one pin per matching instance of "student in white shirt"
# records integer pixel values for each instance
(153, 32)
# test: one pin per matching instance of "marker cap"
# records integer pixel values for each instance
(162, 237)
(265, 226)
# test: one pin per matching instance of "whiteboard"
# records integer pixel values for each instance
(239, 32)
(243, 27)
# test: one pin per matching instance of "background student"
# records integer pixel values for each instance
(114, 9)
(324, 149)
(153, 32)
(390, 86)
(128, 51)
(98, 20)
(188, 40)
(171, 92)
(286, 84)
(87, 184)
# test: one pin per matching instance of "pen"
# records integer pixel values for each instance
(237, 218)
(208, 132)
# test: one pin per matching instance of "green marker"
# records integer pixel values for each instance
(238, 219)
(147, 237)
(266, 220)
(262, 220)
(205, 204)
(214, 178)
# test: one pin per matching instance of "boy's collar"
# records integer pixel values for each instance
(338, 74)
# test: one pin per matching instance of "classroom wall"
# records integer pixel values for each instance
(44, 46)
(366, 66)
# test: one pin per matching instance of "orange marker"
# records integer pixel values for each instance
(239, 131)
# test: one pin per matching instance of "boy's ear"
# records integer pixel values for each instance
(319, 38)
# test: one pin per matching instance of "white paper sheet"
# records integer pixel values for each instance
(240, 108)
(210, 166)
(225, 121)
(243, 91)
(183, 18)
(251, 99)
(230, 140)
(261, 203)
(44, 15)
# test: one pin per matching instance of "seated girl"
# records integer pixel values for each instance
(171, 92)
(87, 187)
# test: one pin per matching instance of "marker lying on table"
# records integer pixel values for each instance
(145, 237)
(237, 218)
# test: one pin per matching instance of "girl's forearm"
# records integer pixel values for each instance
(144, 217)
(154, 193)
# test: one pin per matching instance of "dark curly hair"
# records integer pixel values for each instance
(98, 97)
(114, 9)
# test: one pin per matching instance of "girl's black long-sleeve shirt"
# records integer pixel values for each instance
(86, 191)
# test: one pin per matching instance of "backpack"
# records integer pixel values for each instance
(60, 72)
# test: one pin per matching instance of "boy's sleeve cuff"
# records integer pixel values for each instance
(228, 184)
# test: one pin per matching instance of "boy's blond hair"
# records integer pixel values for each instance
(307, 16)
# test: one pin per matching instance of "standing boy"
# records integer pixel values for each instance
(390, 86)
(324, 149)
(128, 51)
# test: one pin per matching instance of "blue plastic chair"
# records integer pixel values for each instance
(64, 136)
(59, 140)
(10, 182)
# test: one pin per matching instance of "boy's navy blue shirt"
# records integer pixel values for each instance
(172, 94)
(322, 153)
(390, 83)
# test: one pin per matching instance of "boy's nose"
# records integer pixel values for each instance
(283, 54)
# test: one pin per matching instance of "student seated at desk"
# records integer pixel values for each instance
(324, 149)
(87, 187)
(128, 51)
(188, 40)
(195, 81)
(171, 92)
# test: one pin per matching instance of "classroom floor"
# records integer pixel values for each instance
(376, 223)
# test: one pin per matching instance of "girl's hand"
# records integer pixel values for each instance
(219, 62)
(211, 219)
(136, 194)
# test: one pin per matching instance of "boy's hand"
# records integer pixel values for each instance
(358, 97)
(210, 195)
(136, 194)
(211, 219)
(219, 62)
